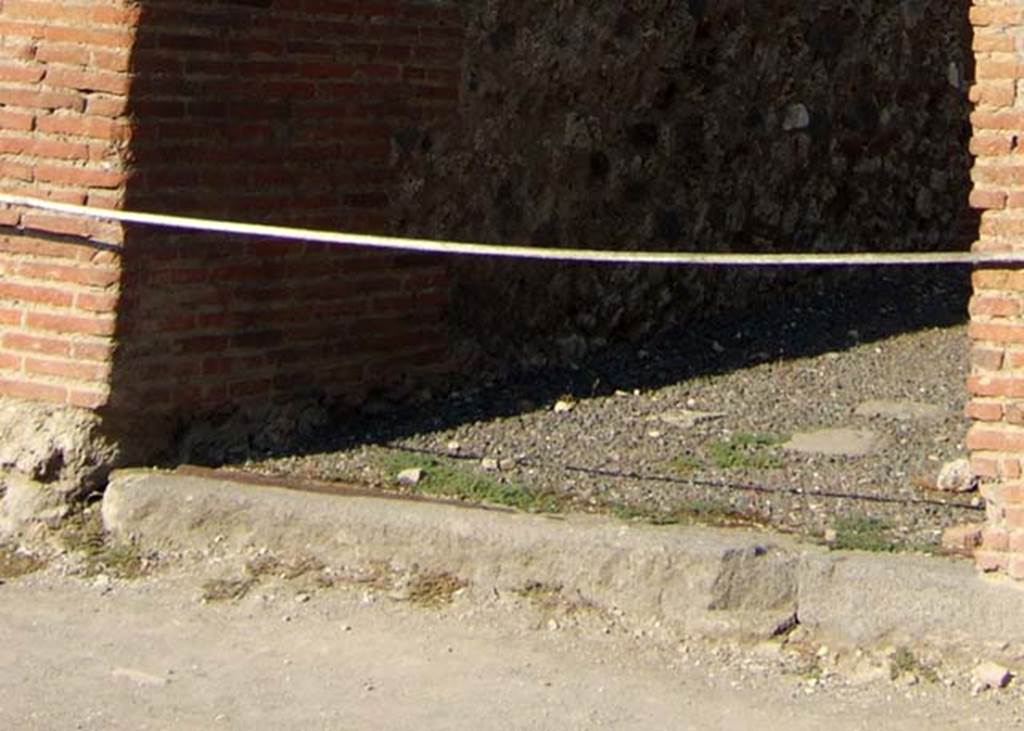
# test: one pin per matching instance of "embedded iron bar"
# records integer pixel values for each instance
(725, 484)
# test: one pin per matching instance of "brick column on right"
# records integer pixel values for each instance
(996, 385)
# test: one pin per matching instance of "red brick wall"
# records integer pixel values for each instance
(286, 112)
(996, 384)
(279, 111)
(63, 85)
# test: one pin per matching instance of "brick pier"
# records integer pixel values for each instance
(279, 111)
(996, 384)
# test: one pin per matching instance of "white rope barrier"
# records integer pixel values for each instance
(595, 256)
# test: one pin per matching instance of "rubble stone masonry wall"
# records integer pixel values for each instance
(832, 125)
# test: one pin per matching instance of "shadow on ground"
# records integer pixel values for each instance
(833, 313)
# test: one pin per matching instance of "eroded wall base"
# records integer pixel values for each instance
(50, 456)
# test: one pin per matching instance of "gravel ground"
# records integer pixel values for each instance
(86, 651)
(612, 433)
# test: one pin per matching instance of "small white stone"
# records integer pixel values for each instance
(685, 418)
(563, 407)
(953, 75)
(489, 464)
(956, 477)
(411, 476)
(140, 678)
(992, 675)
(796, 117)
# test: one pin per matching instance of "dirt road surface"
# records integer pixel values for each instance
(103, 653)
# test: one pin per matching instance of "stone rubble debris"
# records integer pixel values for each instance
(490, 464)
(685, 418)
(956, 476)
(899, 410)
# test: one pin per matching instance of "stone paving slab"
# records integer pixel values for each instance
(841, 442)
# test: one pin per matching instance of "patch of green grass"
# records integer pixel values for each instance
(552, 598)
(14, 564)
(713, 512)
(447, 480)
(223, 590)
(267, 565)
(904, 662)
(685, 464)
(540, 594)
(645, 515)
(703, 512)
(745, 451)
(862, 533)
(809, 668)
(707, 510)
(83, 533)
(435, 588)
(927, 547)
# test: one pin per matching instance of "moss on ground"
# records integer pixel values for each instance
(442, 478)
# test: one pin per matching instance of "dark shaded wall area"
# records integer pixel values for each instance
(290, 112)
(688, 124)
